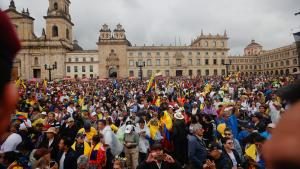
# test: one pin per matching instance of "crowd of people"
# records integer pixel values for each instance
(204, 122)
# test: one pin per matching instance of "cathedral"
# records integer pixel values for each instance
(55, 54)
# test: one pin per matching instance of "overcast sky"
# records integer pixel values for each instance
(269, 22)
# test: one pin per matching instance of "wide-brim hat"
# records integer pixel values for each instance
(51, 130)
(178, 115)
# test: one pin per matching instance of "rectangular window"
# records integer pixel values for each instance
(206, 53)
(131, 73)
(158, 53)
(215, 72)
(83, 76)
(140, 54)
(157, 62)
(92, 59)
(190, 72)
(76, 59)
(167, 53)
(215, 61)
(83, 59)
(68, 69)
(167, 62)
(83, 68)
(167, 73)
(198, 53)
(149, 62)
(91, 76)
(190, 62)
(75, 69)
(190, 53)
(207, 72)
(149, 73)
(223, 61)
(75, 76)
(69, 59)
(223, 72)
(198, 72)
(198, 62)
(178, 62)
(130, 54)
(215, 53)
(131, 63)
(91, 68)
(206, 61)
(148, 53)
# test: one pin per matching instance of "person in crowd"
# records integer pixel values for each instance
(157, 159)
(83, 162)
(97, 157)
(88, 131)
(196, 146)
(131, 145)
(258, 124)
(69, 129)
(50, 141)
(9, 141)
(180, 143)
(144, 135)
(9, 46)
(231, 154)
(80, 146)
(236, 143)
(66, 157)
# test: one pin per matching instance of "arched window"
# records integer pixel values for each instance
(36, 61)
(295, 70)
(55, 6)
(287, 71)
(295, 61)
(206, 43)
(67, 33)
(281, 63)
(54, 31)
(287, 62)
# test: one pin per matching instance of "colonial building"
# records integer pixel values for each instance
(114, 55)
(279, 61)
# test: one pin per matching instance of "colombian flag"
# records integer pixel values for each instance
(167, 124)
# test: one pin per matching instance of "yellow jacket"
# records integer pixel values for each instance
(90, 134)
(87, 148)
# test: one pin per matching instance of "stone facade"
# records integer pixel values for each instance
(279, 61)
(116, 57)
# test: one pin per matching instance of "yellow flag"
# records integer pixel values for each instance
(167, 120)
(150, 83)
(251, 152)
(45, 83)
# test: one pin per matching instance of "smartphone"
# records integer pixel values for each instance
(160, 157)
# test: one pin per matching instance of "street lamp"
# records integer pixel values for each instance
(140, 65)
(227, 66)
(50, 68)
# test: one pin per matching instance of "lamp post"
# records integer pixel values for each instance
(50, 68)
(227, 66)
(140, 65)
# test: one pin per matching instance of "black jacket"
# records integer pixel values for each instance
(153, 165)
(224, 162)
(70, 159)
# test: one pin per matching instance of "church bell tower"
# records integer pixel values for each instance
(58, 21)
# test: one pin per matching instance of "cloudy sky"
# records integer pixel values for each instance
(269, 22)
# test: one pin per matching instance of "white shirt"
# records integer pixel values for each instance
(11, 143)
(50, 142)
(62, 160)
(232, 157)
